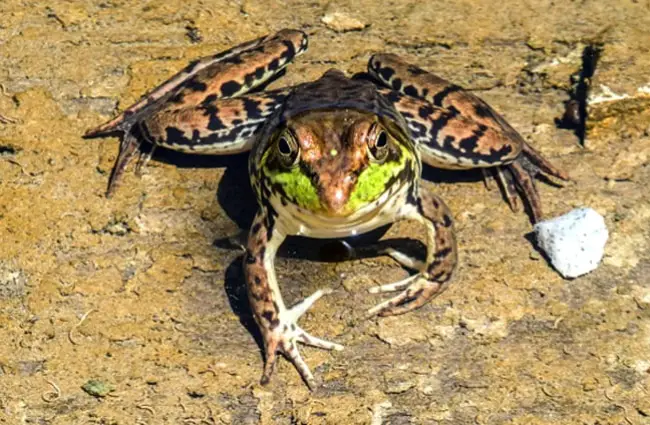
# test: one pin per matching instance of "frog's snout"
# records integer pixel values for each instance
(335, 193)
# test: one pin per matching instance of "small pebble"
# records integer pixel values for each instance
(340, 22)
(97, 388)
(574, 242)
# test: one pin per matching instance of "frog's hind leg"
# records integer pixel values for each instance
(225, 74)
(201, 109)
(456, 130)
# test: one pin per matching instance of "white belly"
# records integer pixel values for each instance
(294, 220)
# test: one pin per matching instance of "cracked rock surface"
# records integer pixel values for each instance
(134, 292)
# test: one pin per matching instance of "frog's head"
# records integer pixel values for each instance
(338, 162)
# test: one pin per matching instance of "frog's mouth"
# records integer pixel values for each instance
(322, 223)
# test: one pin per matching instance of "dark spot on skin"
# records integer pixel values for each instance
(412, 199)
(174, 135)
(425, 111)
(393, 97)
(483, 110)
(259, 72)
(443, 253)
(482, 127)
(440, 123)
(411, 91)
(435, 203)
(293, 326)
(209, 99)
(256, 228)
(441, 95)
(446, 220)
(194, 84)
(469, 143)
(274, 64)
(384, 73)
(252, 108)
(290, 53)
(177, 98)
(258, 281)
(196, 136)
(449, 140)
(418, 130)
(230, 88)
(249, 79)
(214, 122)
(397, 84)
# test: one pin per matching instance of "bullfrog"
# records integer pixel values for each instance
(331, 158)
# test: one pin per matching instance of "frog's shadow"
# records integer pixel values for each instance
(235, 195)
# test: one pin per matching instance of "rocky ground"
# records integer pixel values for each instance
(138, 292)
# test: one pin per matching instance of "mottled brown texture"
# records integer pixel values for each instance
(510, 342)
(458, 130)
(441, 259)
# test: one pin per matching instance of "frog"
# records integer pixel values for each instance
(332, 158)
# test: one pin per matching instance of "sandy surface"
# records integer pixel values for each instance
(134, 291)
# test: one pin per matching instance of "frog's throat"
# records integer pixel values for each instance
(294, 186)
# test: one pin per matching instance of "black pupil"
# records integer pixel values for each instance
(284, 147)
(381, 141)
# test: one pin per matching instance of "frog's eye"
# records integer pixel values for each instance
(287, 149)
(378, 144)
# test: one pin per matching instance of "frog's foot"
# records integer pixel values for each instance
(435, 272)
(284, 336)
(417, 290)
(129, 147)
(519, 176)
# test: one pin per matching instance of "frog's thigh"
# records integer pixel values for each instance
(454, 142)
(447, 139)
(224, 75)
(216, 127)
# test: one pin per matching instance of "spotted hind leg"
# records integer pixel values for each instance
(456, 130)
(202, 109)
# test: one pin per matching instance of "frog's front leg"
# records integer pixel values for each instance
(436, 271)
(278, 324)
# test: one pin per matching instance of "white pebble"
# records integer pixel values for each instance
(340, 22)
(574, 242)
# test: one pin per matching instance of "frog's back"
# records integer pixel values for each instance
(336, 91)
